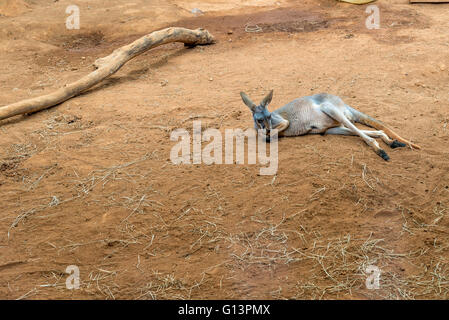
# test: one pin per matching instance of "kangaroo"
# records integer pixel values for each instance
(324, 114)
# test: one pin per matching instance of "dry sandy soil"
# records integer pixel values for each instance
(90, 182)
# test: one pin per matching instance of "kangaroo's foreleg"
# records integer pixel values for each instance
(279, 123)
(336, 114)
(371, 133)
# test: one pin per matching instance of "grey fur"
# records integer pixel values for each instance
(320, 113)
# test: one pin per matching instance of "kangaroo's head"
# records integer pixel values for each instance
(261, 115)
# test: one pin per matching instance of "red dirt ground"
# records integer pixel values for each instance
(90, 183)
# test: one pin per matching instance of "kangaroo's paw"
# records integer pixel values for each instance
(267, 136)
(397, 144)
(381, 153)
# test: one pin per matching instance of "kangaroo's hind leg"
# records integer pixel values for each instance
(371, 133)
(335, 113)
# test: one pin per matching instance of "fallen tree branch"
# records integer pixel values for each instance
(107, 66)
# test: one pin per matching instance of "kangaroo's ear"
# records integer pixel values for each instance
(247, 101)
(267, 99)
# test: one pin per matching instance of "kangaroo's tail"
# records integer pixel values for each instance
(362, 118)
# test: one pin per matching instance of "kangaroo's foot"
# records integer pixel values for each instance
(383, 154)
(385, 138)
(397, 144)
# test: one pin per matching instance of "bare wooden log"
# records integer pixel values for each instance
(107, 66)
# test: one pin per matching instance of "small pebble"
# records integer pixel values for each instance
(196, 11)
